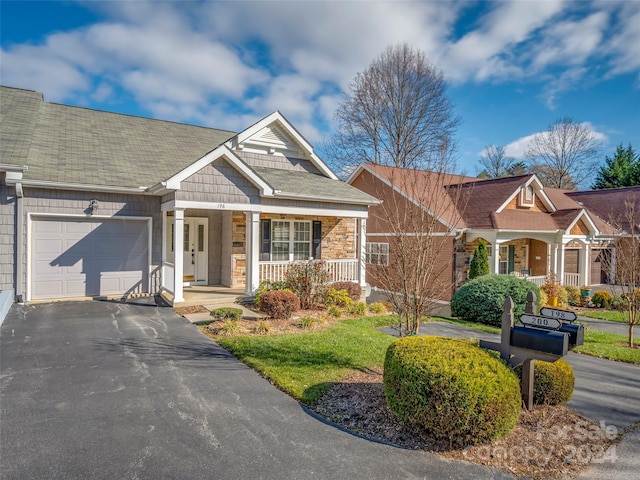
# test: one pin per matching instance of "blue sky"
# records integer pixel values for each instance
(512, 67)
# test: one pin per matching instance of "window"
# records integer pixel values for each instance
(527, 197)
(504, 260)
(377, 253)
(489, 251)
(201, 238)
(288, 241)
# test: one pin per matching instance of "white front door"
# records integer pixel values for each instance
(196, 234)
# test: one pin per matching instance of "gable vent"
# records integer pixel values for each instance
(272, 135)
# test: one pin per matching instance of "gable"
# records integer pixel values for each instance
(281, 162)
(579, 228)
(218, 181)
(538, 205)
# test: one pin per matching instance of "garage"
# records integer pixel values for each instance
(600, 259)
(88, 257)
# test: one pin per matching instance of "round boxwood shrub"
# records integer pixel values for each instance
(552, 382)
(482, 299)
(602, 299)
(279, 303)
(451, 388)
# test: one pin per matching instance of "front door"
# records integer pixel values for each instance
(195, 251)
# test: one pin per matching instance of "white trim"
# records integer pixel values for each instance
(10, 167)
(249, 207)
(221, 152)
(78, 186)
(76, 216)
(397, 189)
(317, 198)
(583, 213)
(277, 117)
(414, 234)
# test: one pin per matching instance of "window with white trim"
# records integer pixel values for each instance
(290, 240)
(527, 197)
(377, 253)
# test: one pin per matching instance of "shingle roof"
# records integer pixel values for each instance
(68, 144)
(309, 185)
(608, 204)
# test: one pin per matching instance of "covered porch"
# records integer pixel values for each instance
(208, 250)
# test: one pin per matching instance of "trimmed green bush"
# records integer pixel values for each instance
(481, 300)
(563, 297)
(451, 388)
(340, 297)
(480, 262)
(227, 313)
(602, 299)
(378, 307)
(279, 303)
(552, 382)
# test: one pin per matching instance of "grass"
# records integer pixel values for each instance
(305, 365)
(610, 346)
(611, 315)
(463, 323)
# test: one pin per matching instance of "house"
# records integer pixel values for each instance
(95, 203)
(530, 230)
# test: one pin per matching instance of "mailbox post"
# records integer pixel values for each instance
(548, 337)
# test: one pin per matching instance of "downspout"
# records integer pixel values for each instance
(19, 242)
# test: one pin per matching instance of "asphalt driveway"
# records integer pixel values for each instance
(106, 390)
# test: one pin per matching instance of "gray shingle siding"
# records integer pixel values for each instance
(7, 235)
(277, 161)
(218, 182)
(74, 204)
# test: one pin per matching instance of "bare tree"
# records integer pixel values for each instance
(495, 162)
(396, 112)
(421, 235)
(565, 154)
(623, 264)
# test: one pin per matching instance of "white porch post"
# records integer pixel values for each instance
(560, 271)
(362, 252)
(178, 260)
(496, 257)
(585, 264)
(252, 252)
(553, 258)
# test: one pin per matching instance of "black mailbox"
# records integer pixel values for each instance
(576, 333)
(547, 341)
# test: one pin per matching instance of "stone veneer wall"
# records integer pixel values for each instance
(465, 251)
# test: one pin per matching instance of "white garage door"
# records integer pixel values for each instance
(77, 258)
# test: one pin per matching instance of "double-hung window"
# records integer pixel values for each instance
(284, 240)
(377, 253)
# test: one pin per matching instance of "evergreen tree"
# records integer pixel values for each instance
(623, 170)
(480, 261)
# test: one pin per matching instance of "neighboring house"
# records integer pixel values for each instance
(530, 230)
(95, 203)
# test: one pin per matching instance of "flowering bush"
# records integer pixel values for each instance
(308, 281)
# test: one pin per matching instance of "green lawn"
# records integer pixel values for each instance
(305, 364)
(611, 315)
(609, 345)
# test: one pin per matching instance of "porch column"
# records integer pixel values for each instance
(560, 271)
(362, 251)
(496, 257)
(553, 258)
(178, 260)
(585, 265)
(252, 252)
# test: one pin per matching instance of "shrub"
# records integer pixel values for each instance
(279, 303)
(308, 281)
(563, 297)
(377, 307)
(542, 298)
(551, 285)
(225, 313)
(480, 262)
(352, 288)
(357, 308)
(263, 327)
(552, 382)
(451, 388)
(573, 295)
(230, 328)
(337, 297)
(307, 322)
(267, 286)
(334, 311)
(482, 299)
(602, 299)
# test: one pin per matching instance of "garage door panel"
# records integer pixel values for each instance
(72, 258)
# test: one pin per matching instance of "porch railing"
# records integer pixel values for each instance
(168, 277)
(343, 270)
(538, 280)
(572, 279)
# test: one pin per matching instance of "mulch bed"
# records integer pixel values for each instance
(548, 442)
